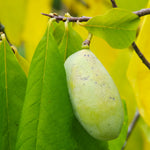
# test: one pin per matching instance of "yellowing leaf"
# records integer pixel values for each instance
(88, 7)
(136, 140)
(22, 61)
(12, 15)
(139, 74)
(35, 24)
(146, 144)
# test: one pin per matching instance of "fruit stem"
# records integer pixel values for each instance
(86, 43)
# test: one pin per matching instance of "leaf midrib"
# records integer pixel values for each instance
(42, 88)
(6, 90)
(66, 46)
(109, 27)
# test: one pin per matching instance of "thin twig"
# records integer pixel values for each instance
(131, 127)
(141, 56)
(70, 19)
(114, 5)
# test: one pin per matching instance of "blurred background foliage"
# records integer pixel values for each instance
(24, 26)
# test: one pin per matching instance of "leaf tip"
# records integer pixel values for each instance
(3, 36)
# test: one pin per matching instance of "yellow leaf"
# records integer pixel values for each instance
(35, 24)
(22, 61)
(118, 70)
(88, 7)
(139, 74)
(136, 140)
(12, 15)
(146, 145)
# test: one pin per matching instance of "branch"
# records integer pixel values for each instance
(131, 127)
(58, 18)
(141, 56)
(142, 12)
(70, 19)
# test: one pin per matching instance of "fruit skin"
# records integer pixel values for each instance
(94, 96)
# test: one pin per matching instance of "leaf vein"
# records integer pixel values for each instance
(6, 89)
(109, 27)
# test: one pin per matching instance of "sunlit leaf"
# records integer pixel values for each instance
(118, 70)
(35, 24)
(145, 128)
(12, 93)
(12, 16)
(146, 144)
(118, 27)
(139, 74)
(87, 7)
(136, 140)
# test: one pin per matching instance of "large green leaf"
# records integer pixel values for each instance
(12, 93)
(118, 27)
(131, 5)
(47, 114)
(71, 42)
(47, 121)
(117, 143)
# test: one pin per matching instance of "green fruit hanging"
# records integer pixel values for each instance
(94, 96)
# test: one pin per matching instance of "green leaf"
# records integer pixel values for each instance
(47, 113)
(71, 42)
(47, 121)
(131, 5)
(12, 93)
(117, 143)
(59, 32)
(118, 27)
(84, 140)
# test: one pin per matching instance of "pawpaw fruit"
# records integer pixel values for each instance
(94, 96)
